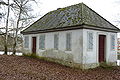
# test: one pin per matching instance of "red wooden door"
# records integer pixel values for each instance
(33, 44)
(102, 39)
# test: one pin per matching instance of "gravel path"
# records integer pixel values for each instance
(24, 68)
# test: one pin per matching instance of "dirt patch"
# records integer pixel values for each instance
(24, 68)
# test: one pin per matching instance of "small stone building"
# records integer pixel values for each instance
(76, 34)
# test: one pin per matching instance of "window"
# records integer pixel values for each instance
(112, 42)
(68, 41)
(56, 41)
(26, 43)
(42, 42)
(90, 40)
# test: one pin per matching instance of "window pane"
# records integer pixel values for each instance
(90, 40)
(42, 42)
(112, 42)
(56, 38)
(68, 41)
(26, 43)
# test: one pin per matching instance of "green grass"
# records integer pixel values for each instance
(31, 55)
(105, 65)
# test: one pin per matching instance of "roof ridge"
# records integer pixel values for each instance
(82, 13)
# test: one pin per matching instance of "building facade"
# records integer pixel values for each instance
(76, 34)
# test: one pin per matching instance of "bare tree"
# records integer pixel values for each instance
(0, 16)
(7, 19)
(22, 9)
(6, 35)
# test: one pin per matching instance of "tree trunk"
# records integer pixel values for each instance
(14, 47)
(6, 35)
(16, 37)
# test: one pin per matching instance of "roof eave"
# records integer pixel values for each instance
(86, 26)
(53, 29)
(101, 29)
(82, 26)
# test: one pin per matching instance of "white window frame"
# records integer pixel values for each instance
(89, 41)
(112, 42)
(26, 42)
(69, 41)
(42, 42)
(56, 41)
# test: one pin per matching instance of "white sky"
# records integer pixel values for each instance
(109, 9)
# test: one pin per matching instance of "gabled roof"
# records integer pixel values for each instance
(71, 17)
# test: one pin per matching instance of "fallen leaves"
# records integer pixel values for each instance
(24, 68)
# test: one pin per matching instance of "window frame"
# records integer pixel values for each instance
(90, 41)
(42, 41)
(112, 42)
(69, 41)
(26, 41)
(56, 41)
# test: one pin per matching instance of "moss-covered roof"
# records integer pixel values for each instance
(68, 17)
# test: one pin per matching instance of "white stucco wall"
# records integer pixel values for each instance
(76, 45)
(79, 52)
(91, 56)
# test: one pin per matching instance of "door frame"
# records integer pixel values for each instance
(105, 47)
(32, 44)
